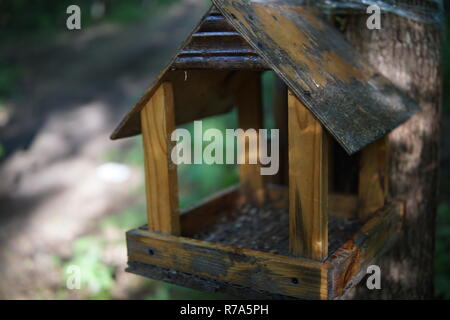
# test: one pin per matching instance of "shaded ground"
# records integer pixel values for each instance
(54, 205)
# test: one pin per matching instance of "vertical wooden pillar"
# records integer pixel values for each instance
(280, 112)
(158, 122)
(308, 183)
(249, 105)
(373, 178)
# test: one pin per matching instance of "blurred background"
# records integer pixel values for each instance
(67, 192)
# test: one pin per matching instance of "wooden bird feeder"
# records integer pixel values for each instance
(308, 238)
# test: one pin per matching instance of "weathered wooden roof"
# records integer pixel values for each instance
(350, 98)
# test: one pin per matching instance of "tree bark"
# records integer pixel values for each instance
(409, 54)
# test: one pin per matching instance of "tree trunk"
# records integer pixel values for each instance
(409, 54)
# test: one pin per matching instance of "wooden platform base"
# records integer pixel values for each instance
(200, 283)
(229, 246)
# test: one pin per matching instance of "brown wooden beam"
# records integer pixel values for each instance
(199, 217)
(258, 270)
(280, 113)
(249, 104)
(158, 122)
(375, 238)
(308, 183)
(373, 178)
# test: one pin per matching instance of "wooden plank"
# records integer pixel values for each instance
(158, 123)
(331, 165)
(261, 271)
(197, 282)
(373, 178)
(308, 183)
(342, 205)
(249, 105)
(268, 272)
(339, 205)
(280, 112)
(351, 99)
(375, 237)
(216, 45)
(204, 214)
(197, 94)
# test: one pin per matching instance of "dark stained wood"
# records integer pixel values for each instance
(159, 255)
(201, 283)
(280, 113)
(343, 205)
(355, 103)
(340, 205)
(197, 94)
(216, 45)
(373, 178)
(249, 268)
(308, 183)
(201, 216)
(375, 238)
(265, 228)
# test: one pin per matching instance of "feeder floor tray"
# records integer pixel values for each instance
(244, 250)
(266, 229)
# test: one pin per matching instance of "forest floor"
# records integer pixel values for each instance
(57, 209)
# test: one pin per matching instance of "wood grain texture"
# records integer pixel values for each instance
(197, 94)
(200, 283)
(223, 266)
(158, 123)
(308, 183)
(350, 98)
(266, 228)
(374, 239)
(250, 116)
(373, 178)
(216, 45)
(280, 114)
(201, 216)
(340, 205)
(249, 268)
(354, 102)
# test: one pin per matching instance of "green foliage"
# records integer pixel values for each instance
(133, 155)
(96, 276)
(162, 292)
(128, 219)
(127, 11)
(9, 75)
(23, 17)
(197, 181)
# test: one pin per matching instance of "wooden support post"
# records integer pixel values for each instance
(373, 178)
(308, 183)
(280, 112)
(249, 104)
(158, 122)
(331, 166)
